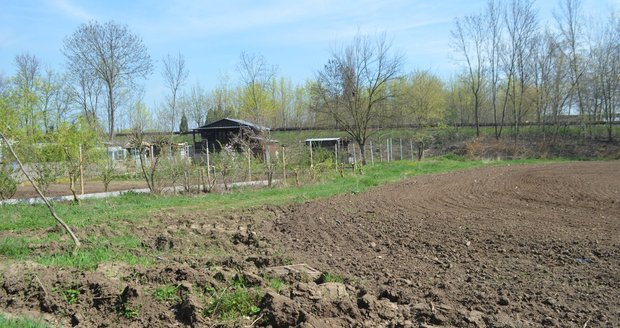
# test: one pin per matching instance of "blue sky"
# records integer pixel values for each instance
(295, 35)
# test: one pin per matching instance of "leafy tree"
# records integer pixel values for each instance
(77, 140)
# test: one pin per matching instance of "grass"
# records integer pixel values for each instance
(166, 294)
(330, 277)
(119, 213)
(21, 323)
(233, 301)
(277, 284)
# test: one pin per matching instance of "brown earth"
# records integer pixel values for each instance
(516, 246)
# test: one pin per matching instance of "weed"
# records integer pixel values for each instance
(167, 293)
(127, 312)
(277, 284)
(330, 277)
(230, 303)
(71, 295)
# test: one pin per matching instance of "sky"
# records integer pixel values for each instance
(295, 35)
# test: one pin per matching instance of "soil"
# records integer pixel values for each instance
(515, 246)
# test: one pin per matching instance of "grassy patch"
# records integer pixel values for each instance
(233, 301)
(88, 259)
(167, 293)
(276, 284)
(21, 323)
(330, 277)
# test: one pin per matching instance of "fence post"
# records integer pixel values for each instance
(411, 146)
(372, 155)
(401, 148)
(336, 155)
(387, 149)
(81, 159)
(380, 152)
(284, 164)
(311, 160)
(208, 165)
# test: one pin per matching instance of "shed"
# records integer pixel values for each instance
(222, 132)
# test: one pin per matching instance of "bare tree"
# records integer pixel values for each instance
(28, 72)
(494, 30)
(195, 104)
(255, 74)
(569, 23)
(86, 91)
(353, 86)
(468, 40)
(522, 25)
(175, 74)
(113, 54)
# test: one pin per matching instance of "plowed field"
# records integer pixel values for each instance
(513, 246)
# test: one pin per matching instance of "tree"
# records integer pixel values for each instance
(184, 126)
(112, 54)
(256, 75)
(175, 74)
(26, 82)
(468, 37)
(569, 23)
(76, 140)
(195, 105)
(353, 85)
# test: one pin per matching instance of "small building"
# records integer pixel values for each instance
(328, 143)
(229, 131)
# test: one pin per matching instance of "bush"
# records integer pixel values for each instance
(8, 185)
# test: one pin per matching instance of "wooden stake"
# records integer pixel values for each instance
(81, 171)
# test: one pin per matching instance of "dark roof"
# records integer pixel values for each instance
(228, 123)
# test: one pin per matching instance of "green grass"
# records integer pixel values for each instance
(277, 284)
(230, 304)
(330, 277)
(21, 323)
(167, 293)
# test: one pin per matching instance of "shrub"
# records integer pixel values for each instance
(8, 185)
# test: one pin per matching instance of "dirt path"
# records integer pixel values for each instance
(531, 245)
(518, 246)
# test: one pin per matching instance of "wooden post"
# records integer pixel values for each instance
(387, 149)
(411, 146)
(336, 155)
(401, 148)
(208, 164)
(380, 152)
(372, 155)
(250, 164)
(311, 160)
(284, 164)
(81, 159)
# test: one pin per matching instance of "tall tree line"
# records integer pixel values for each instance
(517, 71)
